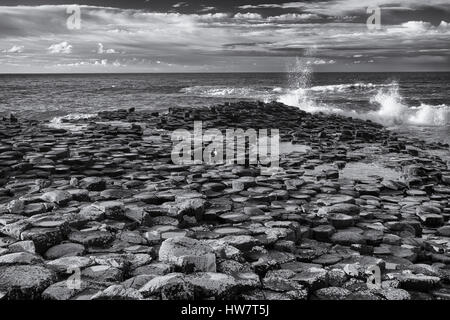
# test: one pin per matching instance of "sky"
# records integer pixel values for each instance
(112, 36)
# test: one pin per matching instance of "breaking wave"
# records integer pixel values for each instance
(66, 122)
(388, 105)
(385, 104)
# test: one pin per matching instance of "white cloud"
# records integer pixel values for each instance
(101, 49)
(416, 25)
(14, 49)
(63, 47)
(444, 25)
(206, 9)
(180, 4)
(340, 7)
(293, 17)
(248, 16)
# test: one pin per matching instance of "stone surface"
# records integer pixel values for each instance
(188, 254)
(107, 201)
(25, 282)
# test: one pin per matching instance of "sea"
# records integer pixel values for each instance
(413, 103)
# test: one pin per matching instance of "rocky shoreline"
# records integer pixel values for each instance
(104, 204)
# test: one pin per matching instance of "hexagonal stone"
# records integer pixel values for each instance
(341, 221)
(344, 208)
(23, 246)
(64, 250)
(328, 259)
(312, 278)
(25, 281)
(323, 232)
(19, 258)
(102, 273)
(347, 238)
(111, 209)
(93, 184)
(335, 199)
(394, 294)
(444, 231)
(43, 238)
(280, 281)
(118, 292)
(15, 229)
(188, 254)
(431, 220)
(212, 284)
(91, 238)
(417, 282)
(332, 293)
(58, 196)
(243, 243)
(86, 214)
(64, 290)
(65, 264)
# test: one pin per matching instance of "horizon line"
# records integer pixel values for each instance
(220, 72)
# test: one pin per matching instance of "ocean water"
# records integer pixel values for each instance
(412, 103)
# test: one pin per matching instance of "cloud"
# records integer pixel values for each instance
(248, 16)
(207, 9)
(416, 26)
(444, 25)
(293, 17)
(216, 41)
(180, 4)
(101, 50)
(63, 47)
(14, 49)
(342, 7)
